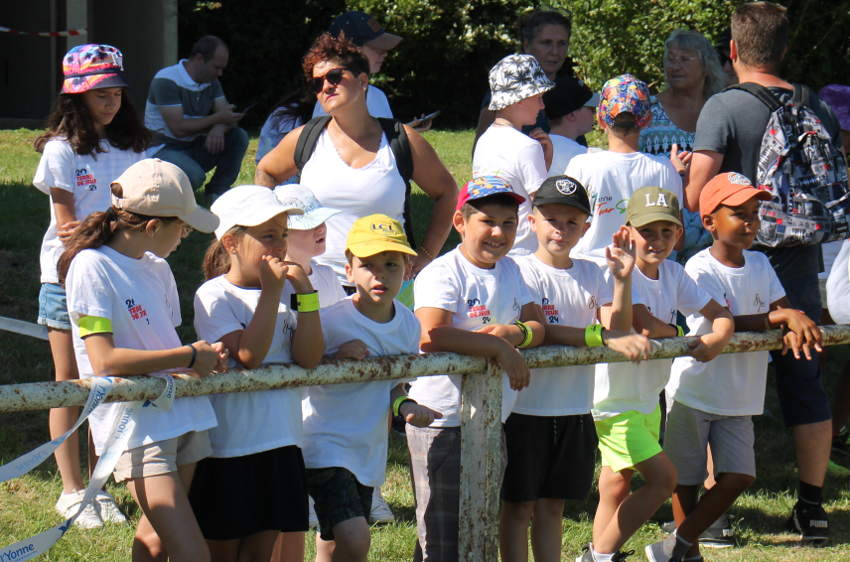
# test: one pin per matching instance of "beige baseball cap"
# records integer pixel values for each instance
(154, 188)
(650, 204)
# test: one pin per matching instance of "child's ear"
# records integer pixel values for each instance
(152, 226)
(708, 223)
(584, 229)
(348, 274)
(228, 242)
(458, 222)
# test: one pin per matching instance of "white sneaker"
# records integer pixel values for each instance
(69, 503)
(661, 551)
(312, 518)
(108, 509)
(381, 512)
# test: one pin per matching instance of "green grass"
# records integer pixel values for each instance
(26, 504)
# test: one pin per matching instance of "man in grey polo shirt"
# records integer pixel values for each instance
(194, 126)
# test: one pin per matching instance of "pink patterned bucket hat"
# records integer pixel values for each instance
(89, 67)
(625, 94)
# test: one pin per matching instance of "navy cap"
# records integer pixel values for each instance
(568, 95)
(360, 28)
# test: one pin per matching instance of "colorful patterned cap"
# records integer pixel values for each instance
(625, 94)
(89, 67)
(515, 78)
(485, 186)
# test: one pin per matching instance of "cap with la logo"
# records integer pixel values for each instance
(562, 190)
(377, 233)
(650, 204)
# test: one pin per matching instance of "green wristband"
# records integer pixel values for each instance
(398, 402)
(527, 334)
(304, 302)
(593, 335)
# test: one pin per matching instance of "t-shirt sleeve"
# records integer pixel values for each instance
(603, 288)
(707, 280)
(170, 292)
(436, 287)
(775, 289)
(532, 167)
(214, 316)
(672, 181)
(576, 169)
(714, 127)
(88, 289)
(164, 92)
(216, 90)
(690, 297)
(56, 167)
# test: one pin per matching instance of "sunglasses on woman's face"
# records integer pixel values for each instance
(334, 77)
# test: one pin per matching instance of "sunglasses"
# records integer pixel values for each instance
(334, 77)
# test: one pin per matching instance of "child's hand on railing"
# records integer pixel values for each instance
(354, 349)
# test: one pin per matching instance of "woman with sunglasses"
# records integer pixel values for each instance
(352, 167)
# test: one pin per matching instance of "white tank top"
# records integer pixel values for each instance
(377, 187)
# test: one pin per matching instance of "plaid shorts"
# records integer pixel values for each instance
(435, 464)
(338, 497)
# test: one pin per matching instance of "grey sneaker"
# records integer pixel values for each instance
(719, 534)
(108, 509)
(381, 512)
(69, 503)
(586, 555)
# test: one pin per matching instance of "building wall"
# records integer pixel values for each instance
(30, 67)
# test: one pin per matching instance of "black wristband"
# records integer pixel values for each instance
(194, 356)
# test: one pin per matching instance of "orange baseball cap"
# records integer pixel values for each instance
(729, 188)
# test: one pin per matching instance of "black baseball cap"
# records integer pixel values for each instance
(361, 28)
(569, 94)
(562, 190)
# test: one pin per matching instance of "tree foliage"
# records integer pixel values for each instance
(449, 45)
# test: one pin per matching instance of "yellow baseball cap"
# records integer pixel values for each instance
(377, 233)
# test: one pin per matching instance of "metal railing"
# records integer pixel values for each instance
(481, 463)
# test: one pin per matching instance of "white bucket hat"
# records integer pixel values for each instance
(300, 197)
(248, 205)
(515, 78)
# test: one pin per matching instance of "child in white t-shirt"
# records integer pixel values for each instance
(471, 300)
(571, 110)
(713, 403)
(517, 83)
(625, 397)
(345, 425)
(611, 176)
(123, 301)
(93, 135)
(252, 486)
(551, 441)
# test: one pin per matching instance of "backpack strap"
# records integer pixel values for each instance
(763, 94)
(307, 141)
(400, 145)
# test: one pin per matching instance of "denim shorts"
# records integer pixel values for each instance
(53, 307)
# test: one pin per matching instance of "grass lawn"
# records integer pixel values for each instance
(26, 504)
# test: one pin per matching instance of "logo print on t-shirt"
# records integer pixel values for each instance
(478, 310)
(592, 302)
(553, 315)
(136, 311)
(758, 303)
(85, 179)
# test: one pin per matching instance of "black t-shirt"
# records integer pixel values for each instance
(732, 122)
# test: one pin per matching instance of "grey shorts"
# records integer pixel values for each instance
(162, 457)
(689, 431)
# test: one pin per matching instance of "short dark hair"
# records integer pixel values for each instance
(206, 46)
(326, 47)
(501, 199)
(625, 122)
(529, 24)
(760, 32)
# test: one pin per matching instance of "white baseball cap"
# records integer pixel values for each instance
(300, 197)
(154, 188)
(248, 205)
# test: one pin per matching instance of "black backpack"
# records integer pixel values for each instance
(803, 170)
(397, 137)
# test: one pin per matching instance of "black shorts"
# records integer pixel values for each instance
(549, 457)
(236, 497)
(337, 497)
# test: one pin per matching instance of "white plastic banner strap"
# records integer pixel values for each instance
(23, 464)
(122, 430)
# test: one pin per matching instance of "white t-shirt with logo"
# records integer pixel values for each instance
(563, 150)
(345, 425)
(610, 179)
(628, 386)
(324, 281)
(139, 297)
(87, 178)
(248, 422)
(569, 297)
(518, 159)
(733, 384)
(377, 104)
(475, 297)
